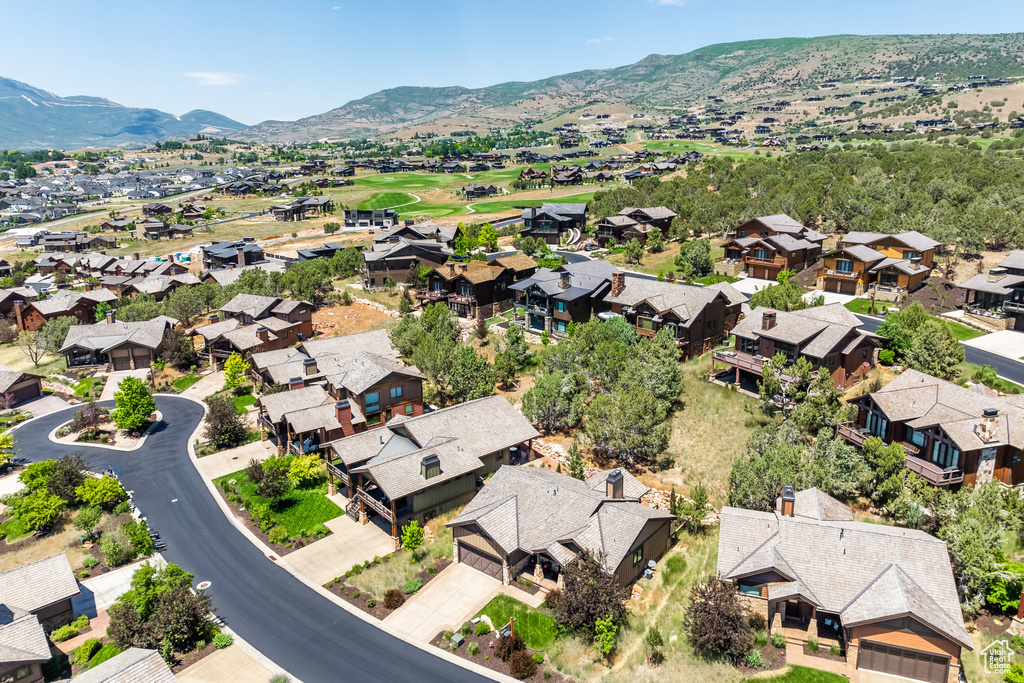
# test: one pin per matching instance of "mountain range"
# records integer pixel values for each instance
(740, 73)
(31, 119)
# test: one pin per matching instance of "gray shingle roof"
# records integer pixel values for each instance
(40, 584)
(103, 336)
(814, 328)
(686, 301)
(861, 253)
(1003, 285)
(9, 377)
(374, 341)
(251, 304)
(22, 639)
(291, 400)
(1014, 260)
(134, 665)
(845, 566)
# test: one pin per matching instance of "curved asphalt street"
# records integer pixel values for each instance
(300, 630)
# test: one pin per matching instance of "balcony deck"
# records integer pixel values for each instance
(933, 473)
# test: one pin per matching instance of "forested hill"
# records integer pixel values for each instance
(951, 194)
(738, 72)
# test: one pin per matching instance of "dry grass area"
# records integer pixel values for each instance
(650, 263)
(15, 359)
(63, 537)
(340, 320)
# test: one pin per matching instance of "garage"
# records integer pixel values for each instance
(26, 390)
(480, 561)
(142, 356)
(759, 273)
(841, 286)
(903, 662)
(121, 359)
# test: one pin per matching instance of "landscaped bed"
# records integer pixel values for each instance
(376, 606)
(770, 655)
(485, 646)
(536, 628)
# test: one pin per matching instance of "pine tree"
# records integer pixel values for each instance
(574, 463)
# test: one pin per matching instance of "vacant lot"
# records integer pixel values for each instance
(337, 320)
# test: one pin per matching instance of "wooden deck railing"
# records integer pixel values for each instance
(374, 504)
(934, 473)
(339, 473)
(851, 433)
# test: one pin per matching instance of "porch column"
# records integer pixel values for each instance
(776, 616)
(538, 571)
(394, 528)
(812, 628)
(737, 377)
(362, 505)
(330, 478)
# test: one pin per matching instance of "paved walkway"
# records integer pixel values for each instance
(749, 285)
(350, 543)
(100, 592)
(10, 484)
(209, 384)
(452, 597)
(1008, 343)
(114, 378)
(234, 459)
(230, 664)
(830, 297)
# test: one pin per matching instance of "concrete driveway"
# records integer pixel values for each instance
(44, 405)
(230, 664)
(1008, 343)
(114, 378)
(451, 598)
(100, 592)
(209, 384)
(349, 543)
(830, 297)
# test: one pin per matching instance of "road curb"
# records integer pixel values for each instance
(142, 442)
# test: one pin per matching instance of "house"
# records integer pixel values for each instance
(777, 224)
(255, 323)
(953, 435)
(22, 386)
(370, 218)
(244, 252)
(532, 521)
(475, 289)
(763, 247)
(157, 209)
(427, 230)
(122, 345)
(997, 297)
(394, 259)
(698, 317)
(81, 305)
(630, 223)
(11, 295)
(827, 336)
(155, 230)
(477, 190)
(42, 589)
(416, 468)
(281, 366)
(892, 264)
(885, 596)
(555, 298)
(24, 647)
(551, 221)
(134, 664)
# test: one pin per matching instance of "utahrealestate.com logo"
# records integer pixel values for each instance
(997, 657)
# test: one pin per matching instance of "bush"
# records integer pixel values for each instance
(371, 603)
(757, 622)
(1017, 643)
(393, 599)
(81, 623)
(835, 651)
(521, 665)
(85, 651)
(412, 585)
(356, 569)
(483, 628)
(754, 659)
(778, 640)
(222, 640)
(116, 548)
(467, 629)
(760, 639)
(473, 649)
(506, 647)
(886, 356)
(812, 645)
(64, 633)
(538, 657)
(552, 599)
(261, 511)
(90, 562)
(715, 621)
(279, 535)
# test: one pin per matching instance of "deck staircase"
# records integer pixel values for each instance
(352, 510)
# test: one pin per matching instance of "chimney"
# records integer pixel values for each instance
(463, 267)
(89, 286)
(430, 466)
(295, 383)
(343, 413)
(788, 501)
(988, 429)
(613, 484)
(214, 318)
(135, 256)
(564, 279)
(110, 316)
(263, 333)
(309, 366)
(767, 320)
(241, 255)
(18, 308)
(618, 282)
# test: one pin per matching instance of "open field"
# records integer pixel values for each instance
(681, 146)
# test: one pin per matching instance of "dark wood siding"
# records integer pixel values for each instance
(655, 538)
(472, 535)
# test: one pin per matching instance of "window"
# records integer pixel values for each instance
(877, 425)
(374, 419)
(560, 306)
(751, 346)
(761, 254)
(302, 311)
(915, 437)
(561, 326)
(372, 401)
(467, 290)
(711, 324)
(907, 254)
(844, 266)
(396, 392)
(944, 455)
(409, 408)
(638, 555)
(645, 324)
(828, 361)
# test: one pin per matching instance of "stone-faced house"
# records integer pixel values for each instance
(534, 521)
(884, 595)
(554, 298)
(699, 317)
(996, 297)
(827, 336)
(422, 466)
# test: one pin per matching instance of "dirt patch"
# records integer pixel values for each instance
(187, 660)
(774, 657)
(340, 320)
(357, 598)
(992, 624)
(61, 538)
(486, 658)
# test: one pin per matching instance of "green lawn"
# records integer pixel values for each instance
(713, 279)
(863, 306)
(244, 401)
(84, 387)
(14, 530)
(301, 512)
(103, 654)
(185, 381)
(801, 674)
(387, 200)
(536, 628)
(962, 332)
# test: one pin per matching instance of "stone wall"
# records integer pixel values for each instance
(990, 321)
(755, 605)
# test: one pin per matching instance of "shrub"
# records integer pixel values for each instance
(89, 562)
(467, 629)
(473, 649)
(222, 640)
(760, 639)
(754, 659)
(538, 657)
(554, 595)
(521, 665)
(1017, 643)
(116, 548)
(261, 511)
(85, 651)
(835, 651)
(280, 678)
(483, 628)
(356, 569)
(356, 594)
(393, 599)
(87, 519)
(371, 603)
(81, 623)
(64, 633)
(507, 646)
(412, 585)
(279, 535)
(778, 640)
(757, 622)
(715, 621)
(812, 645)
(886, 356)
(431, 570)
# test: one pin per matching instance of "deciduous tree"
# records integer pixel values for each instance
(133, 404)
(715, 622)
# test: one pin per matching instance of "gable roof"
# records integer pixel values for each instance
(686, 301)
(22, 639)
(134, 665)
(39, 584)
(819, 329)
(103, 335)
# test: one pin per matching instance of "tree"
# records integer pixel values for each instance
(236, 369)
(346, 262)
(821, 406)
(412, 538)
(788, 295)
(185, 304)
(653, 642)
(69, 472)
(488, 237)
(693, 512)
(836, 467)
(331, 227)
(715, 621)
(515, 343)
(574, 463)
(179, 351)
(973, 529)
(8, 448)
(694, 258)
(55, 330)
(33, 344)
(134, 404)
(634, 251)
(630, 425)
(38, 510)
(889, 466)
(555, 401)
(471, 376)
(389, 283)
(87, 519)
(773, 459)
(481, 327)
(655, 241)
(605, 631)
(936, 351)
(37, 475)
(652, 364)
(901, 327)
(275, 483)
(590, 593)
(103, 492)
(224, 426)
(100, 314)
(405, 303)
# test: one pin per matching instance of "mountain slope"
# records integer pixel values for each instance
(31, 119)
(737, 72)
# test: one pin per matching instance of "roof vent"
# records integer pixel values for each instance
(430, 466)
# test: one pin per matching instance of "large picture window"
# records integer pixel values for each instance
(877, 425)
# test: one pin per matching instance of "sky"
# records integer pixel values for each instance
(286, 59)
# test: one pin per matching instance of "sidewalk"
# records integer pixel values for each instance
(209, 384)
(234, 459)
(230, 664)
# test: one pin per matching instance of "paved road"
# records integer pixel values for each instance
(297, 628)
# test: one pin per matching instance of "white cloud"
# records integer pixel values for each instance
(215, 78)
(594, 41)
(674, 3)
(336, 8)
